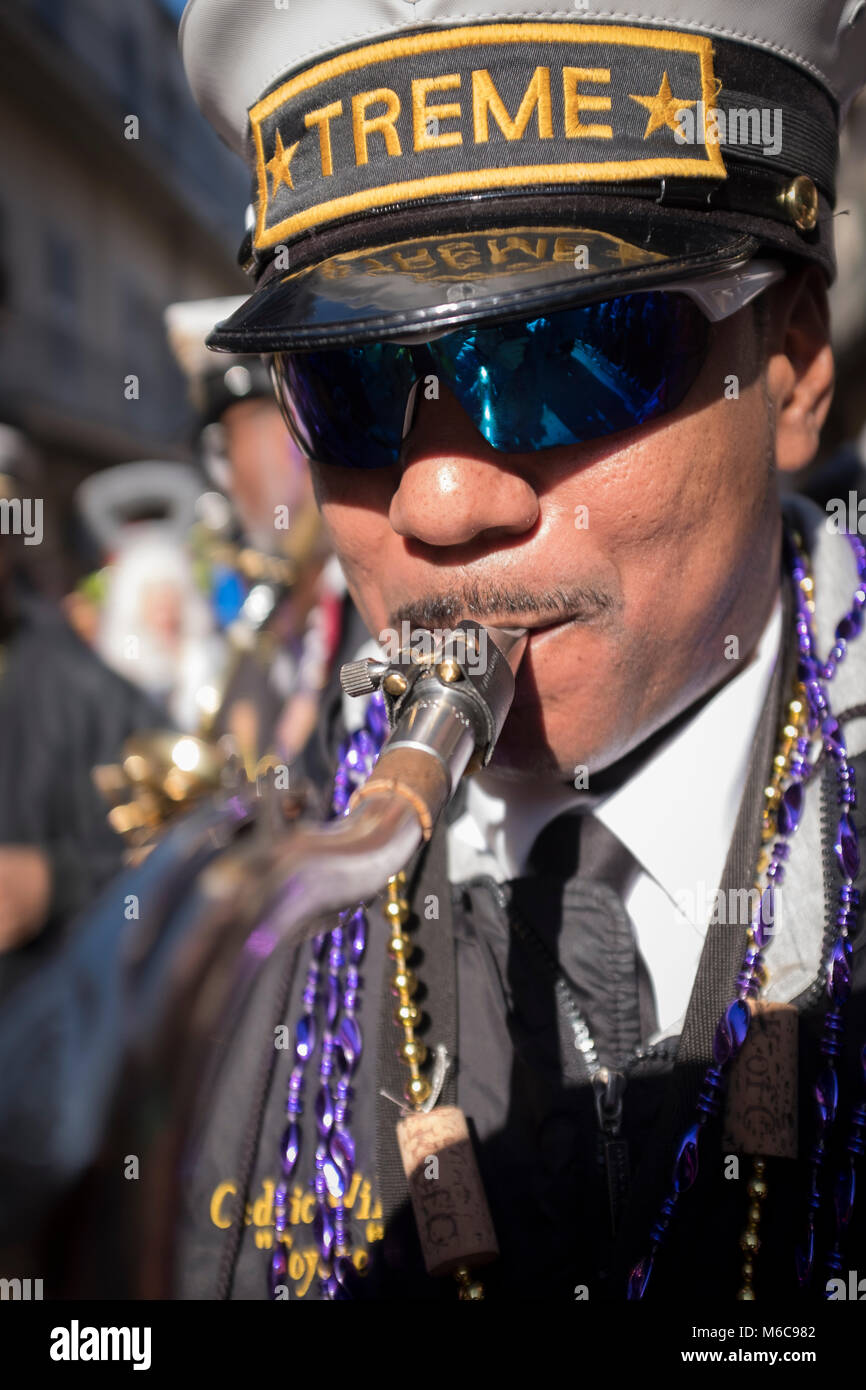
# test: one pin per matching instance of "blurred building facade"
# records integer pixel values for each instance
(116, 199)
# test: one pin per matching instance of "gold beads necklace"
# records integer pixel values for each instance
(404, 984)
(407, 1016)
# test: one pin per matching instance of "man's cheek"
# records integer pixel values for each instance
(346, 532)
(364, 579)
(654, 490)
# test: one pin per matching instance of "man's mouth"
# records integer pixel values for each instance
(539, 627)
(537, 634)
(540, 613)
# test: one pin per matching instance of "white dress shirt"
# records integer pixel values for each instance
(676, 816)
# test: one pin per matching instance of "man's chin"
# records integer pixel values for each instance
(539, 739)
(523, 750)
(555, 738)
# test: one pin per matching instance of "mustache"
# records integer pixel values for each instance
(487, 602)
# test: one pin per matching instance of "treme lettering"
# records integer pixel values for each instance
(373, 124)
(489, 114)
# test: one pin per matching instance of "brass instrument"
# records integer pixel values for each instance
(251, 873)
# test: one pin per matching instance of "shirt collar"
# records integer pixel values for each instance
(702, 769)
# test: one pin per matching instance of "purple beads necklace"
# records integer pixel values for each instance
(845, 1185)
(734, 1024)
(838, 983)
(333, 981)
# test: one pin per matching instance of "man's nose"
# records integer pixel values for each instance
(454, 486)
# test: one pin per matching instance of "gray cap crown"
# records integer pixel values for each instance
(235, 50)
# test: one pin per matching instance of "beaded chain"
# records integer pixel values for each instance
(408, 1018)
(404, 985)
(794, 727)
(845, 1186)
(342, 950)
(838, 983)
(734, 1024)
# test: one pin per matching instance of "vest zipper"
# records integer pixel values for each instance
(817, 987)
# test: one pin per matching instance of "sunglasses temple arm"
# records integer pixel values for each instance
(719, 300)
(411, 405)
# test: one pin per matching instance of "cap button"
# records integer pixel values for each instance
(800, 201)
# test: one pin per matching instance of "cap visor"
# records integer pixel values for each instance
(427, 284)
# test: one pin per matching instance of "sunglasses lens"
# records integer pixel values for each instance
(347, 407)
(574, 375)
(577, 374)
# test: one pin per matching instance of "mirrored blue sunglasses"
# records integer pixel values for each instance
(556, 379)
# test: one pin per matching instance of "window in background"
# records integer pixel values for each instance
(51, 14)
(4, 277)
(62, 274)
(129, 63)
(62, 270)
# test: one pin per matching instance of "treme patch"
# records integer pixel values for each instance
(483, 106)
(75, 1343)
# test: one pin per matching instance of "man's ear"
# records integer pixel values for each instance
(799, 365)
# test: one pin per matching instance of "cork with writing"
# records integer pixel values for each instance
(451, 1212)
(761, 1111)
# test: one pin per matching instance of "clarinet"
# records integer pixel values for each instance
(255, 885)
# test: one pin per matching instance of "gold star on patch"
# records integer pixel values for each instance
(278, 166)
(662, 108)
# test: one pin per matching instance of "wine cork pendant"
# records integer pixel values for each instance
(451, 1212)
(761, 1113)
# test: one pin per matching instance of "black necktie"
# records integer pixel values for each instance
(572, 898)
(578, 844)
(596, 945)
